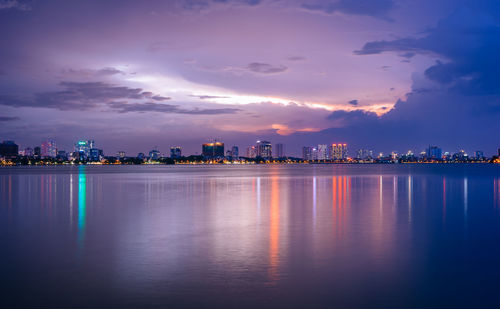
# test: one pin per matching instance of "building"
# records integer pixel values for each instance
(175, 152)
(434, 152)
(479, 155)
(235, 153)
(9, 149)
(323, 152)
(49, 149)
(309, 153)
(338, 151)
(264, 149)
(82, 148)
(28, 152)
(364, 154)
(37, 151)
(251, 152)
(95, 154)
(140, 156)
(62, 155)
(213, 150)
(280, 150)
(153, 154)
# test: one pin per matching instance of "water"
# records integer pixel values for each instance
(250, 236)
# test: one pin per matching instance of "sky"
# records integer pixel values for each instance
(385, 75)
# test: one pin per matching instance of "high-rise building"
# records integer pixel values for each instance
(338, 151)
(9, 149)
(365, 154)
(62, 155)
(279, 150)
(49, 149)
(175, 152)
(28, 152)
(37, 151)
(95, 154)
(322, 152)
(264, 149)
(498, 152)
(213, 150)
(235, 153)
(251, 152)
(479, 155)
(120, 154)
(434, 152)
(154, 154)
(82, 148)
(309, 153)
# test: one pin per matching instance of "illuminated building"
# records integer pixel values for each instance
(264, 149)
(434, 152)
(479, 155)
(82, 148)
(235, 153)
(251, 152)
(175, 152)
(280, 150)
(322, 152)
(9, 149)
(338, 151)
(365, 154)
(153, 154)
(120, 154)
(49, 149)
(95, 154)
(28, 152)
(309, 153)
(213, 150)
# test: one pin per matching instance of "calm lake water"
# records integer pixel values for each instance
(406, 236)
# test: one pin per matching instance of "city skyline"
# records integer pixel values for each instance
(382, 75)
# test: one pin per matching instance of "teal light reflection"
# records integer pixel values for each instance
(82, 203)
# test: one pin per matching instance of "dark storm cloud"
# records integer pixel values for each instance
(79, 96)
(455, 103)
(124, 107)
(353, 102)
(8, 118)
(374, 8)
(266, 68)
(109, 71)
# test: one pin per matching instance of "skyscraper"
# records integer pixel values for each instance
(280, 150)
(322, 152)
(235, 152)
(338, 151)
(175, 152)
(82, 148)
(49, 149)
(154, 154)
(251, 152)
(434, 152)
(213, 150)
(264, 149)
(309, 153)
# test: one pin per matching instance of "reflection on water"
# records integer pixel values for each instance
(82, 204)
(296, 236)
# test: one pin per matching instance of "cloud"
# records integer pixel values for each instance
(14, 4)
(79, 96)
(373, 8)
(296, 58)
(124, 107)
(353, 102)
(108, 71)
(8, 118)
(208, 97)
(265, 68)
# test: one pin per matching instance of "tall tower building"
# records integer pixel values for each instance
(280, 150)
(322, 152)
(49, 149)
(264, 149)
(338, 151)
(213, 150)
(175, 152)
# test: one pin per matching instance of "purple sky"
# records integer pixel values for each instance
(387, 75)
